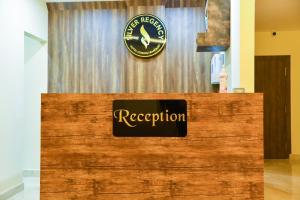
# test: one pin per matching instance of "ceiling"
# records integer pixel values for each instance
(277, 15)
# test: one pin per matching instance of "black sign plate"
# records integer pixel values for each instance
(149, 118)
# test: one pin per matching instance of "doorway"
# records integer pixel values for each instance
(272, 77)
(35, 83)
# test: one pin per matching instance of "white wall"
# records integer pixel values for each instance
(15, 17)
(234, 50)
(36, 76)
(242, 44)
(247, 47)
(12, 93)
(36, 18)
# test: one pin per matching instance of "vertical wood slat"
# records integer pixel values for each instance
(221, 157)
(87, 53)
(123, 4)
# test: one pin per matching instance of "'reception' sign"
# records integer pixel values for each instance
(149, 118)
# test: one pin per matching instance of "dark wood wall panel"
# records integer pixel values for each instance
(124, 4)
(87, 53)
(146, 75)
(220, 159)
(186, 69)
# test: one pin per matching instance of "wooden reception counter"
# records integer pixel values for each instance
(220, 158)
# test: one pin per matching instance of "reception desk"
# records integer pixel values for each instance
(221, 157)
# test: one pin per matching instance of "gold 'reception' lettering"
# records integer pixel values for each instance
(131, 119)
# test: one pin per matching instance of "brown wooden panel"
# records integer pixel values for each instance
(65, 6)
(221, 158)
(272, 77)
(217, 38)
(122, 4)
(87, 53)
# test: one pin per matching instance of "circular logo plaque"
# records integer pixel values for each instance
(145, 36)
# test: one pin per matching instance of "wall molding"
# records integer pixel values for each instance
(12, 191)
(295, 157)
(34, 37)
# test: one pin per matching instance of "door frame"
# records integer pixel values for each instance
(288, 96)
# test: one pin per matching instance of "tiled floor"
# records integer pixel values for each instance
(282, 182)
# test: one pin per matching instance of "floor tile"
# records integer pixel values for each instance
(282, 182)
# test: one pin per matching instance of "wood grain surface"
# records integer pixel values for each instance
(220, 159)
(87, 53)
(123, 3)
(272, 77)
(217, 38)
